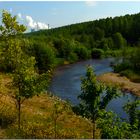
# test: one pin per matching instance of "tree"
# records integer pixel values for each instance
(10, 31)
(135, 59)
(92, 98)
(132, 109)
(57, 111)
(45, 56)
(82, 52)
(99, 34)
(25, 80)
(10, 27)
(97, 53)
(112, 127)
(119, 41)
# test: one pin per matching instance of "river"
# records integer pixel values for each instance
(66, 83)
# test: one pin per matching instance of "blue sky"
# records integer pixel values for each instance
(66, 12)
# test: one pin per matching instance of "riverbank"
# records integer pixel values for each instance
(124, 83)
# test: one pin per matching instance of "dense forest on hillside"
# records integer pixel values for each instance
(104, 37)
(91, 32)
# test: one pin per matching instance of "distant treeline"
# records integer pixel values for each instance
(84, 40)
(128, 26)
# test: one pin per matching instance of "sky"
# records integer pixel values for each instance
(37, 14)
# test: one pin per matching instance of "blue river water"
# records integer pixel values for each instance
(66, 83)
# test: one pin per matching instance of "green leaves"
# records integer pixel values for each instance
(111, 93)
(132, 108)
(92, 93)
(25, 79)
(111, 126)
(94, 99)
(10, 26)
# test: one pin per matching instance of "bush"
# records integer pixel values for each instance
(131, 75)
(72, 57)
(45, 57)
(82, 52)
(121, 67)
(97, 53)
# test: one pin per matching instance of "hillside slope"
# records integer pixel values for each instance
(43, 116)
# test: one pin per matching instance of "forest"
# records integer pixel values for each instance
(118, 36)
(27, 63)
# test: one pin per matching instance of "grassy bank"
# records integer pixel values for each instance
(43, 116)
(134, 76)
(121, 81)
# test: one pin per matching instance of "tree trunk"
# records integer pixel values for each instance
(55, 136)
(19, 113)
(94, 130)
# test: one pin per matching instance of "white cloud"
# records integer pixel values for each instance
(35, 25)
(41, 25)
(91, 3)
(31, 23)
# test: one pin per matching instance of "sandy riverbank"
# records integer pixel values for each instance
(123, 82)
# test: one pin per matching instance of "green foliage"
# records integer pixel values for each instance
(111, 93)
(72, 57)
(110, 33)
(63, 47)
(135, 59)
(119, 41)
(82, 52)
(130, 65)
(97, 53)
(103, 44)
(112, 126)
(133, 76)
(25, 80)
(92, 98)
(10, 27)
(91, 91)
(98, 33)
(132, 109)
(44, 56)
(121, 67)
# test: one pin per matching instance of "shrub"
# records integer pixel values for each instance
(97, 53)
(131, 75)
(82, 52)
(121, 67)
(44, 56)
(72, 57)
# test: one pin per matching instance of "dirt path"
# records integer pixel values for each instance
(123, 82)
